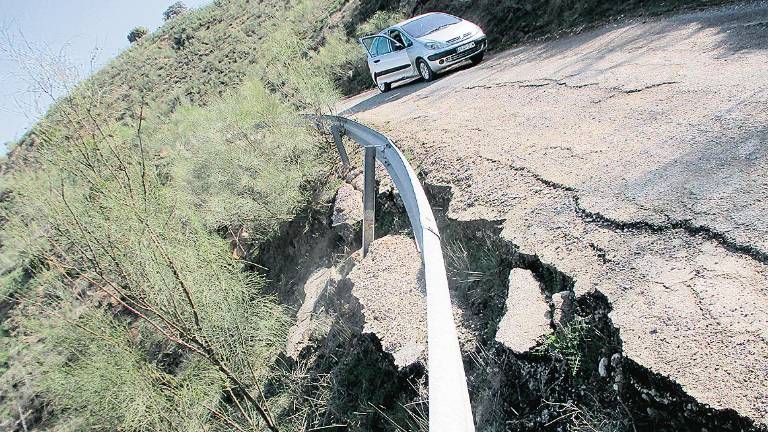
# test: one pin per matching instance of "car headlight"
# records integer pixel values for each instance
(435, 45)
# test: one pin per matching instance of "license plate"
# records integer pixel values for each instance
(465, 47)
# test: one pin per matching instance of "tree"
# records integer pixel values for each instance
(175, 10)
(137, 33)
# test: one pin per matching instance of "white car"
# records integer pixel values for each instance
(422, 46)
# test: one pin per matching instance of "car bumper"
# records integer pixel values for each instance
(451, 56)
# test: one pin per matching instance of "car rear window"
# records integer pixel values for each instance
(428, 24)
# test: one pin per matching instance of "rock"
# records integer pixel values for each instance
(310, 319)
(347, 210)
(389, 283)
(618, 374)
(563, 308)
(526, 319)
(616, 360)
(654, 413)
(602, 367)
(355, 178)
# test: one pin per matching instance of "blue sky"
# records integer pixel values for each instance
(79, 29)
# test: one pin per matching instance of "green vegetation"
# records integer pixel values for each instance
(126, 309)
(175, 10)
(105, 225)
(568, 343)
(137, 33)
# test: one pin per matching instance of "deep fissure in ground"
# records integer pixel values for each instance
(576, 379)
(560, 385)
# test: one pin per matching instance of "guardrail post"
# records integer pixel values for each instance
(369, 197)
(337, 131)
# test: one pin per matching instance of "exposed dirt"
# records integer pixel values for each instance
(527, 317)
(631, 158)
(389, 283)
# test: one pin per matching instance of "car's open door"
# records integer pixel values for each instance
(387, 59)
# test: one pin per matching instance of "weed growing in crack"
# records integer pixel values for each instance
(568, 343)
(478, 264)
(467, 268)
(590, 418)
(417, 412)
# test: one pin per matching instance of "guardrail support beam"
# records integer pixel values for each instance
(369, 197)
(337, 131)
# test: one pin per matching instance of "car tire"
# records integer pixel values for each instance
(426, 72)
(384, 86)
(477, 58)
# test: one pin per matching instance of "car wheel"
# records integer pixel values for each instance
(426, 72)
(384, 86)
(477, 58)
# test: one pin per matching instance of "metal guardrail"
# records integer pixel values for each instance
(449, 406)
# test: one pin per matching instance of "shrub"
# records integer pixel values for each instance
(244, 160)
(117, 234)
(175, 10)
(96, 361)
(137, 33)
(288, 58)
(181, 39)
(127, 222)
(568, 343)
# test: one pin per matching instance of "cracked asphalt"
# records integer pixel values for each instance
(634, 158)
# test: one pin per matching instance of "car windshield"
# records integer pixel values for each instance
(429, 24)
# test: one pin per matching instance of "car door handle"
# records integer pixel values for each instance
(376, 61)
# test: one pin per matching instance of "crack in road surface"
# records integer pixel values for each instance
(686, 226)
(544, 82)
(651, 86)
(639, 225)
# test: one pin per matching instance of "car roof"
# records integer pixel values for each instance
(402, 23)
(415, 18)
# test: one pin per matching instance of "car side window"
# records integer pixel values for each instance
(375, 47)
(380, 46)
(400, 38)
(405, 39)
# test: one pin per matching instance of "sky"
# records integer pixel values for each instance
(88, 33)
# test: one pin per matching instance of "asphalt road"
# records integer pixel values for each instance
(634, 158)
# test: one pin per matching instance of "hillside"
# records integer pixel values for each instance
(117, 281)
(167, 259)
